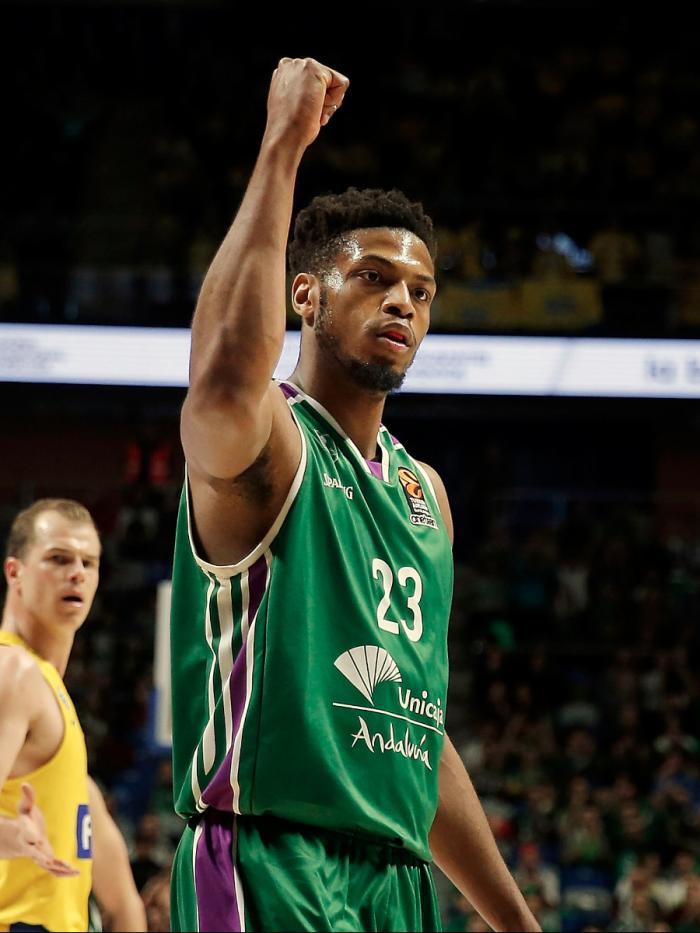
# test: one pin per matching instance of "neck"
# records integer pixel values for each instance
(54, 647)
(358, 411)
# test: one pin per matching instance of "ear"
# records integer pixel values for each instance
(13, 571)
(306, 293)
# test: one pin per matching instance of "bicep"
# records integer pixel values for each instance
(231, 515)
(16, 709)
(224, 433)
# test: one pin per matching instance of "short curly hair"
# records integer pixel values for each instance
(319, 228)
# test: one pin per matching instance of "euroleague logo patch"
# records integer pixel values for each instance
(419, 513)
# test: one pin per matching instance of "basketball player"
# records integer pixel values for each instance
(313, 576)
(49, 809)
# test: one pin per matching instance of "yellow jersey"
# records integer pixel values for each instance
(28, 894)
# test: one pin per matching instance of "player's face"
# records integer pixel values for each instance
(57, 577)
(375, 305)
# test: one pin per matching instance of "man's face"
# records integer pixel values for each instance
(56, 578)
(375, 305)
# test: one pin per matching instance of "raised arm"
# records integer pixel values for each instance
(239, 324)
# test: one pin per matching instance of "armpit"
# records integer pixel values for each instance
(254, 485)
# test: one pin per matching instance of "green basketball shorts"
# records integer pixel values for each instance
(262, 873)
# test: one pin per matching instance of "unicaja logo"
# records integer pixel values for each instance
(366, 666)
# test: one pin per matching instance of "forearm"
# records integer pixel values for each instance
(112, 879)
(129, 916)
(239, 324)
(464, 848)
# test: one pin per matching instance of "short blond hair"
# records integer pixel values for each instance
(21, 536)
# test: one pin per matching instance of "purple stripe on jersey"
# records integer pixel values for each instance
(257, 578)
(214, 884)
(376, 468)
(219, 793)
(290, 391)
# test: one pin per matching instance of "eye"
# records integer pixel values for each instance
(370, 275)
(422, 294)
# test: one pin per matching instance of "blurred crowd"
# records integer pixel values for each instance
(575, 693)
(576, 702)
(545, 153)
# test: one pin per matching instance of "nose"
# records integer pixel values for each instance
(77, 571)
(398, 300)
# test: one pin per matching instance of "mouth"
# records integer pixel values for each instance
(397, 338)
(73, 599)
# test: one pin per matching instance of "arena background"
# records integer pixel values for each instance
(557, 147)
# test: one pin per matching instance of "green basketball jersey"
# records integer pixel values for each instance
(309, 681)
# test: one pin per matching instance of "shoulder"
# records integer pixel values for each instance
(17, 666)
(440, 494)
(19, 676)
(434, 478)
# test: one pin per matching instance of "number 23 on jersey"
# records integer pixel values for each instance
(409, 580)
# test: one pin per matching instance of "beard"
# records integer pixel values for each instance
(373, 377)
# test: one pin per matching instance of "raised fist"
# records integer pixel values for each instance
(303, 96)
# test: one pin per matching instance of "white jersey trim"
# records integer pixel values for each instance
(384, 443)
(224, 571)
(429, 483)
(248, 634)
(195, 845)
(238, 887)
(352, 446)
(225, 658)
(209, 737)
